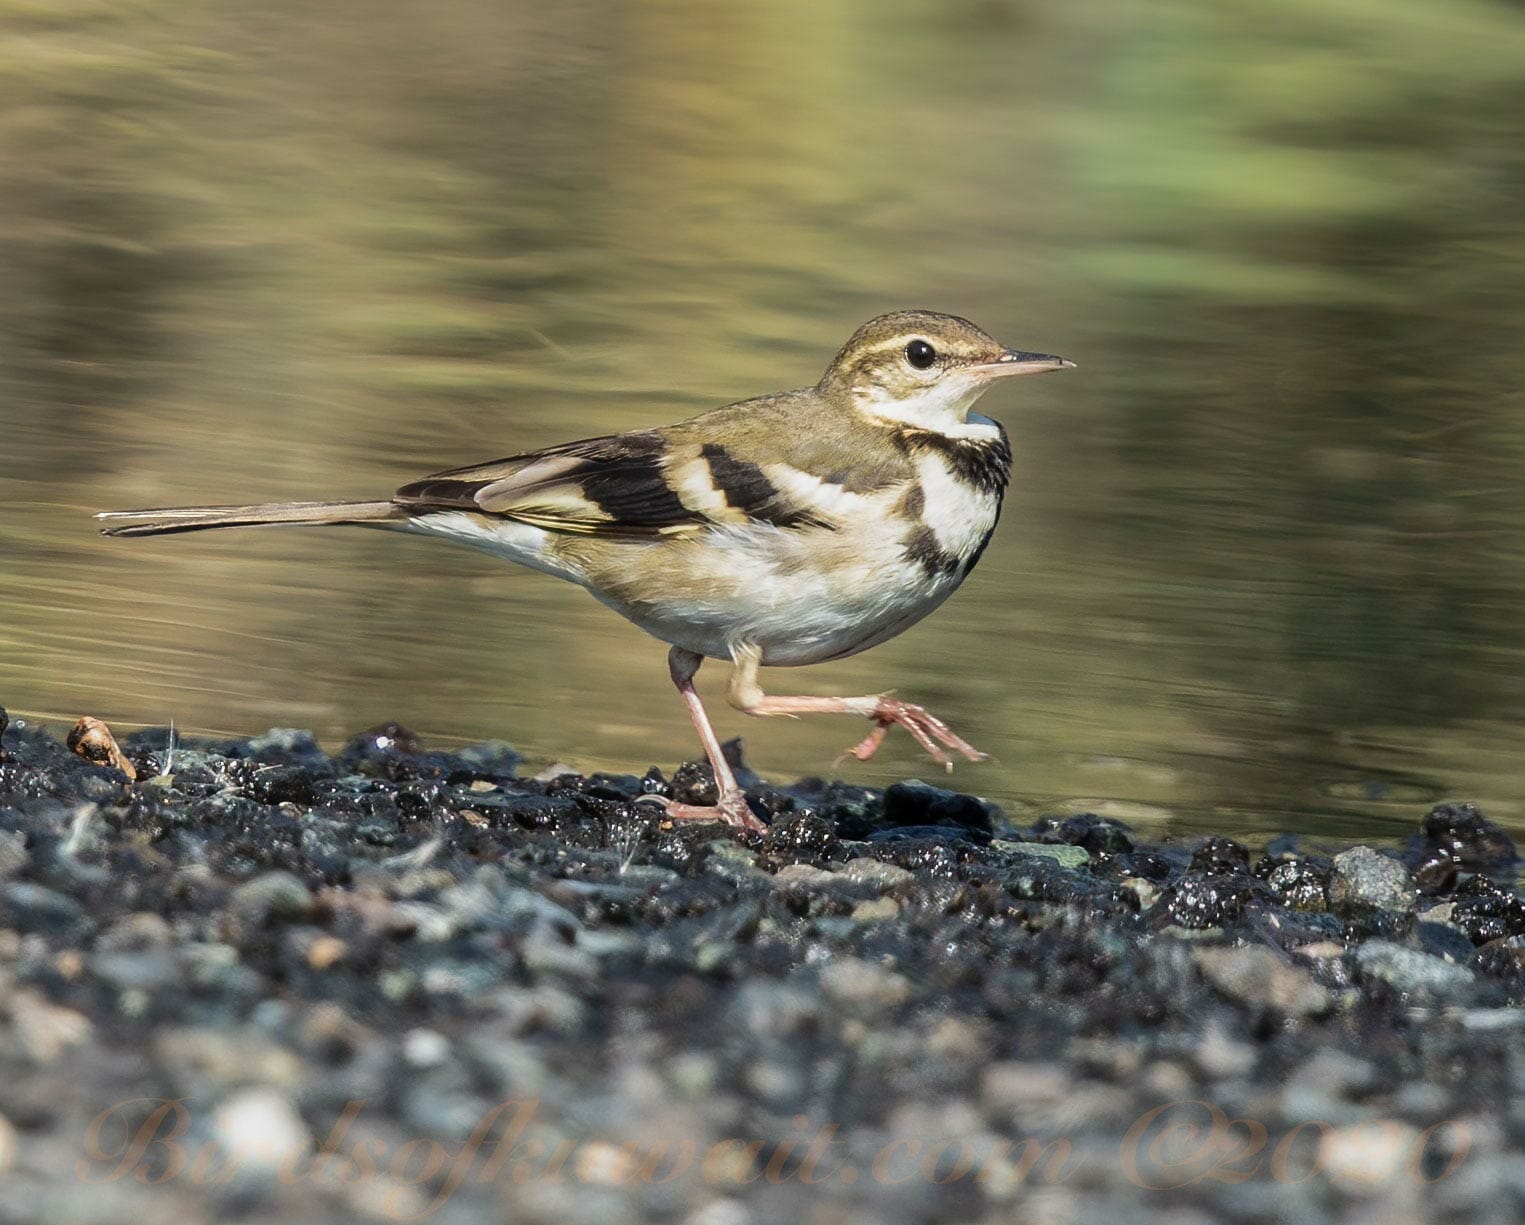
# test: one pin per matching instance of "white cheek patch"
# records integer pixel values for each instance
(958, 513)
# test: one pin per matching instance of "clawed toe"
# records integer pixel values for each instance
(926, 728)
(732, 809)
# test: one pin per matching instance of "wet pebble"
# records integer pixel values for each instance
(1061, 853)
(920, 804)
(13, 853)
(1299, 883)
(876, 872)
(1219, 856)
(1411, 971)
(1362, 880)
(1198, 902)
(1486, 910)
(269, 897)
(277, 931)
(1099, 835)
(860, 984)
(1466, 838)
(1264, 980)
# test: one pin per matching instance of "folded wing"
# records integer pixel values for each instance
(637, 484)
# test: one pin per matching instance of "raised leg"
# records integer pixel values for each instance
(731, 806)
(745, 693)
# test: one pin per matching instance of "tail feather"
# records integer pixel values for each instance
(165, 520)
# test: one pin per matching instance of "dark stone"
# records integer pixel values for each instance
(386, 738)
(918, 803)
(1291, 929)
(492, 760)
(1147, 865)
(1301, 884)
(927, 833)
(802, 837)
(1099, 835)
(613, 786)
(391, 751)
(1464, 836)
(938, 857)
(1487, 911)
(1206, 901)
(1442, 940)
(1503, 960)
(1219, 856)
(282, 785)
(280, 746)
(653, 782)
(1435, 873)
(694, 783)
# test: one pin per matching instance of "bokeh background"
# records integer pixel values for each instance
(1261, 567)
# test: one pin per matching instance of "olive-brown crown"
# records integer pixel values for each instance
(907, 348)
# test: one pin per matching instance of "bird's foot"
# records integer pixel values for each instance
(928, 730)
(732, 808)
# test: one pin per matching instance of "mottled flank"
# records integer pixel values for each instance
(921, 547)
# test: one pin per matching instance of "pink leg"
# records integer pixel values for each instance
(731, 807)
(928, 730)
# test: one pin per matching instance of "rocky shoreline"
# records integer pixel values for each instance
(263, 982)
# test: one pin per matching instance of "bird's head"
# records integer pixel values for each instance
(924, 369)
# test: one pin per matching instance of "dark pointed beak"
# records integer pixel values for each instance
(1014, 361)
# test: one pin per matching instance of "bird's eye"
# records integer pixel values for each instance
(920, 354)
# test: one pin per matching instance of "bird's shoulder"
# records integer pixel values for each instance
(791, 460)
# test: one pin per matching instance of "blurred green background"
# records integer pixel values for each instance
(1261, 565)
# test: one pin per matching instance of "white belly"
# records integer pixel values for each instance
(799, 599)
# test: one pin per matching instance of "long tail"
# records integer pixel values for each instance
(198, 518)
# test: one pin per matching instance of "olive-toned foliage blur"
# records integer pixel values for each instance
(1261, 565)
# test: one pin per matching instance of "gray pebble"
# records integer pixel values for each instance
(273, 895)
(13, 853)
(1263, 979)
(1364, 880)
(1061, 853)
(1410, 971)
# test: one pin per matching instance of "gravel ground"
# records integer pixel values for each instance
(261, 982)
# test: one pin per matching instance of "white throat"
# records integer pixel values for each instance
(940, 409)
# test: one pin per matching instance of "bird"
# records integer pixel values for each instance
(780, 531)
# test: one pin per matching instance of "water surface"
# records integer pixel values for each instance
(1261, 565)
